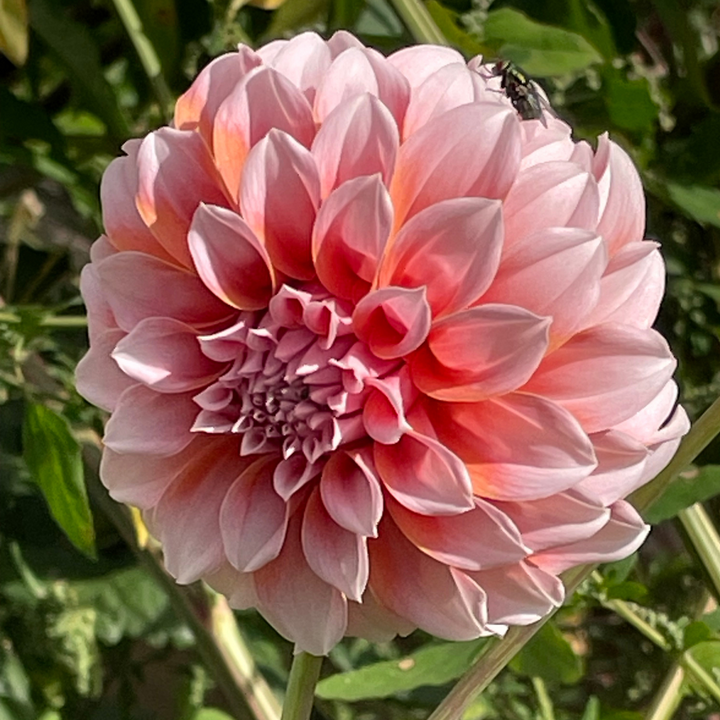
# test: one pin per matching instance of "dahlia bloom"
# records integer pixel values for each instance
(378, 352)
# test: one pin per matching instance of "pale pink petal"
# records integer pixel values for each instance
(452, 247)
(175, 174)
(374, 622)
(165, 355)
(554, 272)
(622, 209)
(606, 374)
(668, 440)
(279, 198)
(433, 163)
(424, 475)
(97, 376)
(393, 321)
(253, 517)
(350, 234)
(196, 108)
(620, 537)
(231, 261)
(238, 588)
(644, 424)
(519, 447)
(342, 40)
(359, 137)
(264, 99)
(418, 62)
(480, 538)
(296, 602)
(510, 344)
(147, 422)
(335, 554)
(543, 145)
(99, 313)
(350, 491)
(357, 71)
(425, 592)
(138, 286)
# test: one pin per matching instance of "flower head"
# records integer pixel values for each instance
(377, 350)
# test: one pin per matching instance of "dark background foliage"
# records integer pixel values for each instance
(89, 626)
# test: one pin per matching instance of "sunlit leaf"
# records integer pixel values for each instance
(548, 655)
(295, 13)
(698, 202)
(446, 20)
(53, 457)
(692, 486)
(14, 30)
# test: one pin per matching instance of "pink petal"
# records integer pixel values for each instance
(196, 108)
(418, 62)
(121, 218)
(519, 594)
(384, 409)
(99, 312)
(97, 376)
(262, 100)
(296, 602)
(147, 422)
(424, 475)
(253, 517)
(175, 174)
(393, 321)
(279, 198)
(350, 234)
(359, 137)
(622, 209)
(231, 261)
(350, 491)
(453, 248)
(478, 353)
(342, 40)
(606, 374)
(238, 588)
(335, 554)
(631, 287)
(555, 272)
(434, 165)
(644, 424)
(425, 592)
(293, 473)
(165, 355)
(624, 533)
(374, 622)
(480, 538)
(560, 519)
(553, 194)
(357, 71)
(136, 287)
(519, 447)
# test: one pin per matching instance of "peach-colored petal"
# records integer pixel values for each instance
(510, 343)
(279, 198)
(452, 247)
(229, 259)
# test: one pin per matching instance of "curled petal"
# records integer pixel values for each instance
(350, 234)
(452, 248)
(384, 409)
(230, 260)
(279, 198)
(478, 353)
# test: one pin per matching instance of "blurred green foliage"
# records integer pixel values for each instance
(99, 639)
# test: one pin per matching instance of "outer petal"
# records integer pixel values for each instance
(374, 622)
(519, 447)
(100, 314)
(350, 234)
(175, 174)
(433, 164)
(230, 260)
(478, 353)
(453, 248)
(279, 198)
(238, 588)
(359, 137)
(263, 100)
(418, 62)
(606, 374)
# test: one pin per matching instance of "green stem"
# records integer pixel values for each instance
(304, 675)
(544, 702)
(419, 22)
(705, 539)
(50, 321)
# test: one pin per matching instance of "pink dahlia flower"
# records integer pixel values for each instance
(377, 351)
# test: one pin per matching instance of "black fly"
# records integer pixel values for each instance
(520, 90)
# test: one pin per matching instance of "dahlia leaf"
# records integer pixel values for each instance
(566, 667)
(699, 202)
(689, 488)
(53, 457)
(434, 665)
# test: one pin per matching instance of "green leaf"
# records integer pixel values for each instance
(692, 486)
(433, 665)
(628, 102)
(293, 14)
(211, 714)
(592, 709)
(53, 457)
(695, 633)
(14, 682)
(707, 655)
(697, 201)
(548, 655)
(446, 20)
(14, 31)
(712, 620)
(588, 20)
(542, 50)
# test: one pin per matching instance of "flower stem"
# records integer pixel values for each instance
(304, 675)
(419, 22)
(704, 538)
